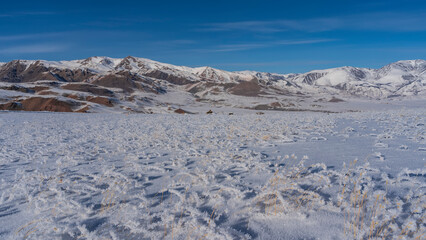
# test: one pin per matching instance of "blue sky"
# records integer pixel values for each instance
(270, 36)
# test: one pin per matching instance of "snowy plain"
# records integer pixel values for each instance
(281, 175)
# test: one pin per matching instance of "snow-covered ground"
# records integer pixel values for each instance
(281, 175)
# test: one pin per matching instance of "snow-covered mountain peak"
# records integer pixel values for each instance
(266, 76)
(97, 64)
(143, 65)
(414, 63)
(412, 66)
(96, 61)
(212, 74)
(128, 63)
(331, 77)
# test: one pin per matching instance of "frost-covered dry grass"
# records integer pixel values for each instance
(247, 176)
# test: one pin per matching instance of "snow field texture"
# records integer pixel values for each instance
(272, 176)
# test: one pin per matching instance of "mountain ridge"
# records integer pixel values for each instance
(101, 58)
(131, 76)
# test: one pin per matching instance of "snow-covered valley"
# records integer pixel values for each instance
(281, 175)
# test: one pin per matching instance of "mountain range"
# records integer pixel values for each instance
(103, 84)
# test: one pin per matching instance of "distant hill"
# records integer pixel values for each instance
(99, 84)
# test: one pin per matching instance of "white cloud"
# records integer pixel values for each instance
(248, 46)
(379, 21)
(28, 13)
(37, 48)
(31, 36)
